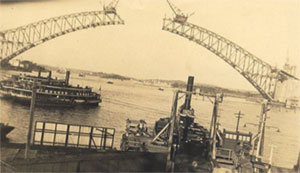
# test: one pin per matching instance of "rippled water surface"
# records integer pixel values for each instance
(133, 100)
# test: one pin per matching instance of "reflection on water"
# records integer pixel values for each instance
(129, 99)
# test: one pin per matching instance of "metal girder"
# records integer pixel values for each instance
(15, 41)
(259, 73)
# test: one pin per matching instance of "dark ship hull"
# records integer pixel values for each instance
(49, 101)
(4, 130)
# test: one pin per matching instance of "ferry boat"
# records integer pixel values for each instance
(50, 92)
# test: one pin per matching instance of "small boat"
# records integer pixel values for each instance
(160, 89)
(61, 71)
(254, 99)
(4, 130)
(81, 75)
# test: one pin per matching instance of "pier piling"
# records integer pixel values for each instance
(32, 106)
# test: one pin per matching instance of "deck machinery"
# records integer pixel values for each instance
(190, 141)
(211, 149)
(188, 132)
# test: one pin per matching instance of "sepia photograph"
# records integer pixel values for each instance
(208, 86)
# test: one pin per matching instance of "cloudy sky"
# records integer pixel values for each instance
(140, 48)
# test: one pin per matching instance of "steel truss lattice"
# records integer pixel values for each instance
(260, 74)
(15, 41)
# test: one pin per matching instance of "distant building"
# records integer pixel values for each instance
(26, 64)
(288, 91)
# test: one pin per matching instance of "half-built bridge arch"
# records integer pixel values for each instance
(260, 74)
(18, 40)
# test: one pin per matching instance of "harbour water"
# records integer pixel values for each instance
(134, 100)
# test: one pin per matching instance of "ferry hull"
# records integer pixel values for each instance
(51, 102)
(49, 91)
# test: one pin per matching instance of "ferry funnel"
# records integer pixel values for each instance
(67, 77)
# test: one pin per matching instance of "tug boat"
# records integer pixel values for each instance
(195, 148)
(160, 89)
(50, 92)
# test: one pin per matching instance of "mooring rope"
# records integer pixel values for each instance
(144, 108)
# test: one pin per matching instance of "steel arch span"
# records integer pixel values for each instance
(260, 74)
(18, 40)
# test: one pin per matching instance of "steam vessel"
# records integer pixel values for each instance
(50, 91)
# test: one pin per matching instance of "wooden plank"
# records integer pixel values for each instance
(54, 138)
(78, 136)
(43, 133)
(67, 135)
(104, 141)
(170, 157)
(91, 137)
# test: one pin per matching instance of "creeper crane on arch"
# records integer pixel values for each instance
(180, 17)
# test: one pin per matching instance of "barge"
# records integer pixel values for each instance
(49, 92)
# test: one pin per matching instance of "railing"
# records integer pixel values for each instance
(224, 153)
(53, 134)
(227, 155)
